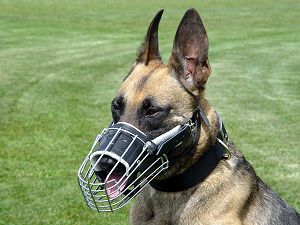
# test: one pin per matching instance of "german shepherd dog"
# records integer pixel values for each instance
(155, 97)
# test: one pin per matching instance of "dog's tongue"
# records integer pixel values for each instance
(115, 185)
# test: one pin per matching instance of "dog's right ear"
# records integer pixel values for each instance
(149, 49)
(189, 56)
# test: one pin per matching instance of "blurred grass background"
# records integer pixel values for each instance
(60, 65)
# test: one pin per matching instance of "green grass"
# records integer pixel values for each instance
(62, 61)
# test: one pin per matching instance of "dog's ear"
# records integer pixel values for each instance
(189, 56)
(149, 49)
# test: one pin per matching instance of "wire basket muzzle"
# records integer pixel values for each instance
(117, 168)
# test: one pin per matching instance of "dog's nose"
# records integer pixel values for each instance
(106, 164)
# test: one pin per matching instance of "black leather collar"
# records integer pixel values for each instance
(199, 170)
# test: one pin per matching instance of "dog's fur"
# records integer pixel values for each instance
(155, 97)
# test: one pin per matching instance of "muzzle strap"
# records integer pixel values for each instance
(189, 131)
(195, 174)
(199, 171)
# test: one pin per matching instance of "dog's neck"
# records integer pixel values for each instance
(204, 159)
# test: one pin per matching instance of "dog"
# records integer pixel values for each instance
(208, 180)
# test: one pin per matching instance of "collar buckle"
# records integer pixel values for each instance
(191, 125)
(226, 154)
(223, 139)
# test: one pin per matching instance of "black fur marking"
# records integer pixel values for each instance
(142, 82)
(117, 108)
(151, 115)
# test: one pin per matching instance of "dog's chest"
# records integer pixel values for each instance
(167, 212)
(168, 207)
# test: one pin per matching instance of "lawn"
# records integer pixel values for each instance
(61, 63)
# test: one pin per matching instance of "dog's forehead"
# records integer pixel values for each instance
(152, 80)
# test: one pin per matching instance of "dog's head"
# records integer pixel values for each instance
(155, 97)
(155, 102)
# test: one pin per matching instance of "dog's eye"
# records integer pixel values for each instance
(153, 111)
(149, 109)
(151, 115)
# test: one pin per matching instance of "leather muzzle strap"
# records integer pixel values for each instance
(197, 173)
(194, 175)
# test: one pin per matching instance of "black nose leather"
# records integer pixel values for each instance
(107, 164)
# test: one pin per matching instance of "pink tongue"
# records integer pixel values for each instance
(115, 185)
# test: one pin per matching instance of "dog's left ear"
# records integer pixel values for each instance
(189, 56)
(149, 49)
